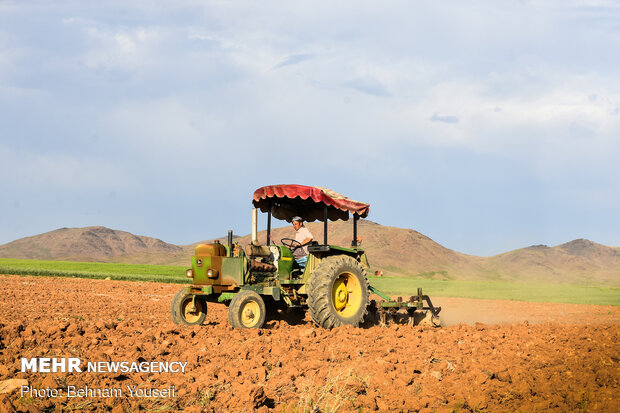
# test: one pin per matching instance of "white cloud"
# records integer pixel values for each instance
(166, 125)
(122, 49)
(60, 171)
(180, 87)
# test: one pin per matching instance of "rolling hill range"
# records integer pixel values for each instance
(396, 251)
(98, 244)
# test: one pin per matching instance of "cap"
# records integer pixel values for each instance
(297, 219)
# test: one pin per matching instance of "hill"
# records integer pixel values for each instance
(98, 244)
(396, 251)
(580, 261)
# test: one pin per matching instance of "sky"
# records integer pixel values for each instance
(485, 125)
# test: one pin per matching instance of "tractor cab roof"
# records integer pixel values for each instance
(307, 202)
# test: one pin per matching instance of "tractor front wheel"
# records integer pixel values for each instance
(188, 309)
(338, 292)
(247, 310)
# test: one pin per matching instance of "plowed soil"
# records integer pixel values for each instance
(523, 357)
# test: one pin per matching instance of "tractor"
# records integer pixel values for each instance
(332, 286)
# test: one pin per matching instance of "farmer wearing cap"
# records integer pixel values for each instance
(304, 237)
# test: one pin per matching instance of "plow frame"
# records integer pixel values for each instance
(389, 308)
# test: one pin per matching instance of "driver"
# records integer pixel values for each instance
(304, 237)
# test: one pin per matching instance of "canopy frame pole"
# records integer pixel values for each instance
(355, 219)
(254, 226)
(325, 225)
(269, 225)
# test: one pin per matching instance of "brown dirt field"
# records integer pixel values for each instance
(564, 358)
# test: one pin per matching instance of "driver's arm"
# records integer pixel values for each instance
(306, 241)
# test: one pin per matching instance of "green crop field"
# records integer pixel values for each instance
(499, 290)
(129, 272)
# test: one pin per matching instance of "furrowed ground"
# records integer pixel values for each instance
(525, 357)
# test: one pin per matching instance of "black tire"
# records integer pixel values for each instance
(338, 292)
(182, 312)
(247, 310)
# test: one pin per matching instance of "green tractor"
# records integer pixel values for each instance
(332, 286)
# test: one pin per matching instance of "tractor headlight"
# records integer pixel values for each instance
(199, 262)
(211, 273)
(189, 273)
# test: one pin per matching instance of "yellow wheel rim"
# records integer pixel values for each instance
(192, 315)
(250, 314)
(347, 294)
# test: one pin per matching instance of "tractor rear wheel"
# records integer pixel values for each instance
(247, 310)
(338, 292)
(185, 309)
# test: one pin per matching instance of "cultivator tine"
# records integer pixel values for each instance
(411, 318)
(389, 309)
(383, 318)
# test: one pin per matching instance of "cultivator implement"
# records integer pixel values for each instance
(412, 311)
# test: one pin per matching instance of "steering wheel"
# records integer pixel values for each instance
(291, 243)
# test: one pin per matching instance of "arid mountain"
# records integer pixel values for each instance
(395, 251)
(98, 244)
(579, 261)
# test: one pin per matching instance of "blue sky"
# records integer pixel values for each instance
(487, 126)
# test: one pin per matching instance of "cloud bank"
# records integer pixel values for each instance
(486, 126)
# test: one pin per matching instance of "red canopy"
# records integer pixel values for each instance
(308, 202)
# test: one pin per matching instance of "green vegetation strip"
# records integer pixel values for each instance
(500, 290)
(94, 270)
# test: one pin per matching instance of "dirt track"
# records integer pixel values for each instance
(568, 364)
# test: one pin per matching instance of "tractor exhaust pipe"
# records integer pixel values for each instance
(254, 226)
(230, 245)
